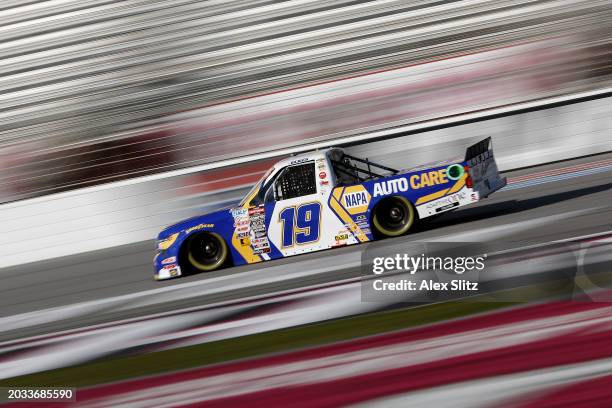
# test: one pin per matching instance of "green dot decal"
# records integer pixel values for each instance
(455, 171)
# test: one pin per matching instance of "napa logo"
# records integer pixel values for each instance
(355, 199)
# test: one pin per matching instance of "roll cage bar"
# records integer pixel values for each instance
(350, 169)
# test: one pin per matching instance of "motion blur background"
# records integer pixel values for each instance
(95, 91)
(120, 117)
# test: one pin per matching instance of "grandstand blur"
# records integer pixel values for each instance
(95, 91)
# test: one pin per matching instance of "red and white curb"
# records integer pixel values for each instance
(554, 344)
(246, 316)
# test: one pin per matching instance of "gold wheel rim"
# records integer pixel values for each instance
(405, 229)
(219, 262)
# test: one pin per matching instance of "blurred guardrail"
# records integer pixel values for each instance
(90, 89)
(135, 210)
(49, 338)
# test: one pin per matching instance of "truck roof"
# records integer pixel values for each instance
(304, 157)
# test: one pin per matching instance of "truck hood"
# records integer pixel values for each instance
(211, 217)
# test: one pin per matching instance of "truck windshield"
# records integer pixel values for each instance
(255, 188)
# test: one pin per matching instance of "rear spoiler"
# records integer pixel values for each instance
(478, 148)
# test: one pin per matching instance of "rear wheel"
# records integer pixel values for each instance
(206, 251)
(393, 217)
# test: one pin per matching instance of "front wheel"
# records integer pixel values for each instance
(206, 251)
(393, 217)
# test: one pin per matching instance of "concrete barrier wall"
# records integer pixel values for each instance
(521, 140)
(126, 212)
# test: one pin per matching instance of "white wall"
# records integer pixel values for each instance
(121, 213)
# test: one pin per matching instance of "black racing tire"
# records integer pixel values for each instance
(394, 216)
(206, 251)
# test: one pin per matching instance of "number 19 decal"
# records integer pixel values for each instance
(301, 225)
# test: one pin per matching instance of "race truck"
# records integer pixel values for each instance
(321, 200)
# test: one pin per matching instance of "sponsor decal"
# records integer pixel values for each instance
(241, 222)
(447, 207)
(245, 241)
(324, 183)
(258, 221)
(299, 161)
(390, 186)
(352, 226)
(260, 243)
(341, 237)
(261, 251)
(199, 227)
(415, 182)
(482, 157)
(360, 223)
(242, 234)
(245, 228)
(258, 234)
(461, 195)
(239, 212)
(171, 266)
(258, 226)
(322, 175)
(452, 200)
(355, 199)
(256, 210)
(170, 260)
(173, 272)
(455, 171)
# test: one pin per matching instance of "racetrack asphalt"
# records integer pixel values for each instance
(585, 199)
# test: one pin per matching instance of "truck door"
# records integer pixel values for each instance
(300, 220)
(296, 207)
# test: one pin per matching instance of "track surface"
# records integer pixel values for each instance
(126, 270)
